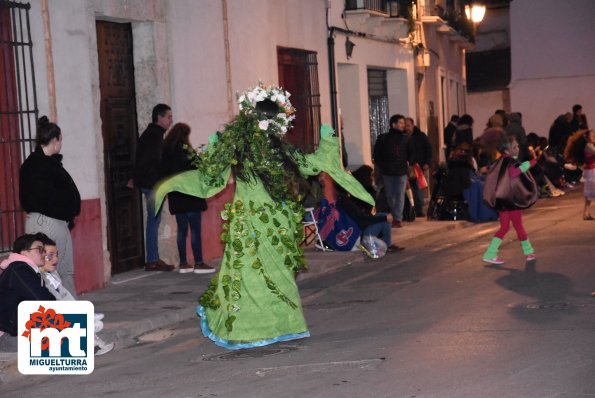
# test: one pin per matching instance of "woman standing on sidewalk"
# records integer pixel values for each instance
(187, 209)
(505, 196)
(50, 197)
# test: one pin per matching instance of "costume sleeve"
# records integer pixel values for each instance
(194, 183)
(522, 168)
(327, 158)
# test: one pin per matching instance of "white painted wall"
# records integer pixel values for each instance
(258, 27)
(197, 66)
(481, 106)
(553, 53)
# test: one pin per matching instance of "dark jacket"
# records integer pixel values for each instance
(176, 161)
(559, 133)
(449, 132)
(148, 169)
(420, 149)
(390, 152)
(362, 220)
(464, 133)
(47, 188)
(19, 282)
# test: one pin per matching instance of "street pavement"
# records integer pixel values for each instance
(138, 302)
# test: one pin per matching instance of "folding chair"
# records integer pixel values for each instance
(311, 233)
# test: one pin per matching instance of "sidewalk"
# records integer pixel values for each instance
(137, 302)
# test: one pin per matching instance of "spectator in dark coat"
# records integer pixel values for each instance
(579, 119)
(390, 155)
(464, 132)
(449, 134)
(420, 153)
(559, 133)
(147, 171)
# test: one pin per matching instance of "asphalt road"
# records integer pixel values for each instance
(430, 321)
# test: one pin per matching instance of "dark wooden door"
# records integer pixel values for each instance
(120, 132)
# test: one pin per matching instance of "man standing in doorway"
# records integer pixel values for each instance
(390, 155)
(147, 171)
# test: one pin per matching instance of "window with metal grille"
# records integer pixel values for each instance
(298, 74)
(18, 113)
(377, 103)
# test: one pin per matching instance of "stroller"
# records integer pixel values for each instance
(447, 202)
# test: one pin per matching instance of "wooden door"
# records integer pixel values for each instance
(120, 132)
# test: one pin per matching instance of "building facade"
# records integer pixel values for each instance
(97, 68)
(534, 58)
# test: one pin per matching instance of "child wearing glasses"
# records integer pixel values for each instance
(20, 281)
(54, 284)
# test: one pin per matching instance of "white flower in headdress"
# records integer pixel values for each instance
(263, 125)
(278, 124)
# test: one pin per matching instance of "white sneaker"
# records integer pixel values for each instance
(98, 326)
(101, 347)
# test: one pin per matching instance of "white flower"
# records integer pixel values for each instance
(278, 124)
(263, 125)
(261, 96)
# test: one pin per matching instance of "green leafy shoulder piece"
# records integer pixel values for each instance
(193, 182)
(327, 158)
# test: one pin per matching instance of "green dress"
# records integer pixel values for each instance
(253, 300)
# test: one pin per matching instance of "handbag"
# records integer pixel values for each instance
(504, 192)
(422, 183)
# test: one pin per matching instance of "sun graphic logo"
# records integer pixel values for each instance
(56, 337)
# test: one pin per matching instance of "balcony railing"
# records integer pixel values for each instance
(390, 8)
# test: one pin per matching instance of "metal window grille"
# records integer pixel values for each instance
(377, 103)
(299, 75)
(18, 113)
(313, 97)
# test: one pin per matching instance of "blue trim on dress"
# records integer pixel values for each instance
(207, 332)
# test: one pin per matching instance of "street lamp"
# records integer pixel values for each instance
(475, 12)
(349, 47)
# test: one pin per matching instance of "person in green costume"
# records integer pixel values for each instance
(254, 300)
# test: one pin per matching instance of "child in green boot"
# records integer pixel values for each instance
(509, 209)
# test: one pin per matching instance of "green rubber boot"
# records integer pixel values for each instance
(492, 251)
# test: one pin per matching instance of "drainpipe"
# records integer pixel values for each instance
(332, 79)
(230, 101)
(47, 38)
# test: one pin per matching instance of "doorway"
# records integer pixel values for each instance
(120, 133)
